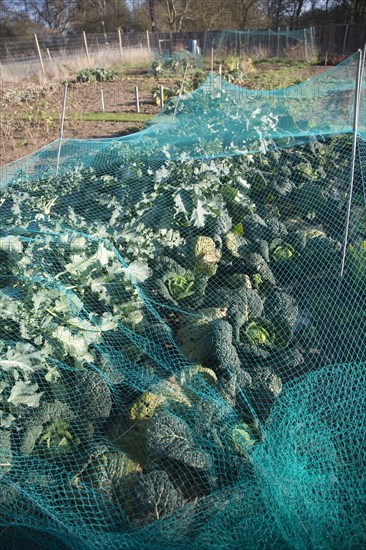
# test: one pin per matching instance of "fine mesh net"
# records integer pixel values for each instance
(177, 61)
(266, 42)
(182, 328)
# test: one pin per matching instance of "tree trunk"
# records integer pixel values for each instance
(152, 15)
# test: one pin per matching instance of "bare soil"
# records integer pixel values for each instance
(30, 112)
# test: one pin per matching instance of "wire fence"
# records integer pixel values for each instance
(327, 39)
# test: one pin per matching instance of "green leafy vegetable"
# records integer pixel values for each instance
(257, 334)
(283, 253)
(180, 287)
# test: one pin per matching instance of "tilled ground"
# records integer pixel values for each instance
(30, 113)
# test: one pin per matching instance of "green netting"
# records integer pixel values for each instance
(183, 328)
(175, 62)
(266, 42)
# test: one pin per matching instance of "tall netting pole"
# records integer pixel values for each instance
(61, 127)
(181, 89)
(354, 148)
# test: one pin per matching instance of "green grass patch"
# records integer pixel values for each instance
(112, 117)
(86, 117)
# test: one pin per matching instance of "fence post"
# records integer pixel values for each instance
(105, 34)
(86, 46)
(345, 39)
(137, 99)
(306, 46)
(39, 54)
(120, 43)
(61, 127)
(148, 41)
(312, 41)
(49, 55)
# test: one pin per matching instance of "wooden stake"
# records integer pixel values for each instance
(161, 97)
(306, 46)
(120, 44)
(61, 127)
(137, 99)
(86, 46)
(345, 38)
(220, 69)
(102, 100)
(212, 59)
(39, 54)
(148, 41)
(105, 34)
(312, 31)
(49, 55)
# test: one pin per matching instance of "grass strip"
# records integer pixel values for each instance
(86, 117)
(112, 117)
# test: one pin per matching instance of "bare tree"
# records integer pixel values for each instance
(152, 15)
(101, 15)
(176, 12)
(295, 8)
(246, 8)
(55, 14)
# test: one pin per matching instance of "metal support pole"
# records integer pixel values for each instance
(61, 127)
(137, 99)
(161, 91)
(181, 88)
(354, 148)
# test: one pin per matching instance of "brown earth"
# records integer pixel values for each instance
(30, 112)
